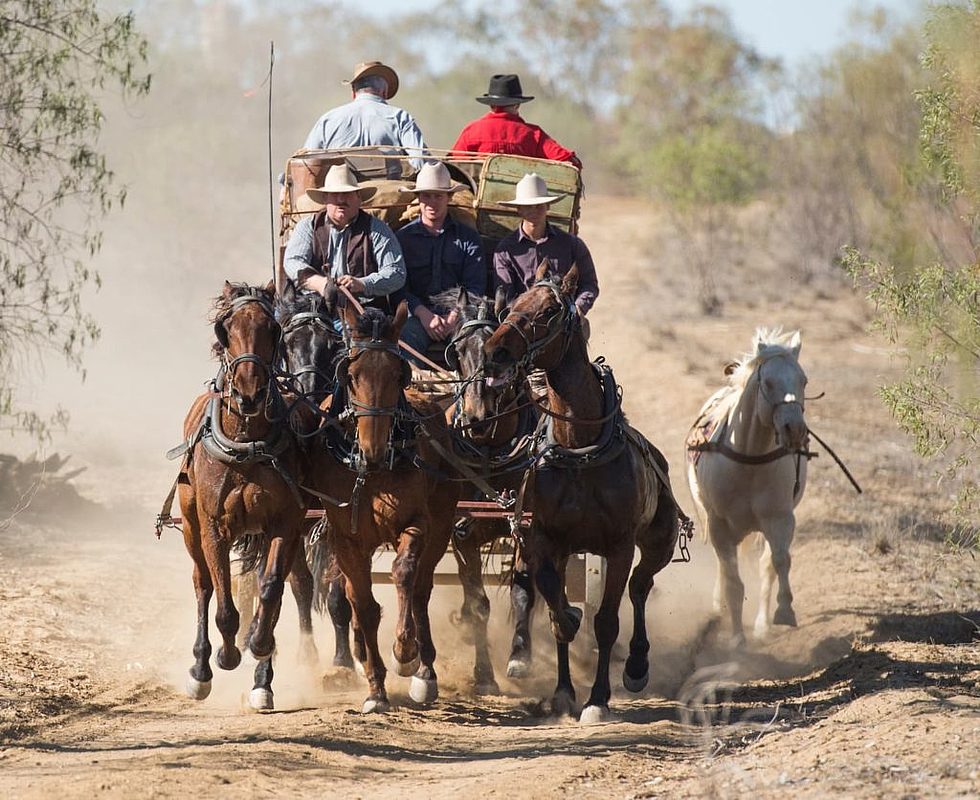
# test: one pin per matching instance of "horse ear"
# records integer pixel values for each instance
(330, 292)
(348, 316)
(796, 343)
(542, 271)
(289, 291)
(463, 298)
(401, 317)
(499, 300)
(227, 290)
(570, 282)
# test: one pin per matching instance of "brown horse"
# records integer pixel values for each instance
(381, 458)
(597, 485)
(491, 422)
(238, 487)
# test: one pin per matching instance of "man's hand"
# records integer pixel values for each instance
(438, 328)
(315, 283)
(351, 284)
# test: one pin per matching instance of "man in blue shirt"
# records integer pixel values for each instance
(440, 253)
(369, 120)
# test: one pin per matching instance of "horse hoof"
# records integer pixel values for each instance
(785, 616)
(632, 684)
(197, 690)
(373, 706)
(344, 662)
(407, 669)
(518, 669)
(486, 688)
(228, 658)
(563, 704)
(593, 715)
(260, 699)
(423, 691)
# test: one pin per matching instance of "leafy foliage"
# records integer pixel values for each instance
(55, 184)
(933, 310)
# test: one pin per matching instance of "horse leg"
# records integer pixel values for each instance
(356, 566)
(301, 584)
(340, 617)
(272, 579)
(199, 681)
(779, 537)
(521, 604)
(476, 611)
(217, 550)
(767, 579)
(729, 588)
(565, 622)
(245, 590)
(606, 625)
(404, 570)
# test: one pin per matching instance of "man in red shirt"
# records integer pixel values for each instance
(503, 130)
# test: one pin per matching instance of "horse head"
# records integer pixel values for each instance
(309, 340)
(374, 374)
(247, 342)
(481, 397)
(781, 382)
(537, 329)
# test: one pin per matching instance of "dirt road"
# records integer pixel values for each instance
(875, 694)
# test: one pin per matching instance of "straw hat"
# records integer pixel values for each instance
(504, 90)
(433, 177)
(531, 190)
(366, 68)
(340, 179)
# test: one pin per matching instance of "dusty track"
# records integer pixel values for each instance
(876, 694)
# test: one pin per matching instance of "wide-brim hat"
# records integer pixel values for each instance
(433, 177)
(531, 190)
(340, 178)
(504, 90)
(367, 68)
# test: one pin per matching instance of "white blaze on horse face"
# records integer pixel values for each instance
(789, 397)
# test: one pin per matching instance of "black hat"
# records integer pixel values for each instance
(505, 90)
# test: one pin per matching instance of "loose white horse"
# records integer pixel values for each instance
(747, 471)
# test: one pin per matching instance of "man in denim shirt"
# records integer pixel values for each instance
(440, 254)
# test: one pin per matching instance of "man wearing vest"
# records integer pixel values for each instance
(358, 250)
(440, 254)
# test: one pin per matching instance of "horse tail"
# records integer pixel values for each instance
(323, 566)
(250, 549)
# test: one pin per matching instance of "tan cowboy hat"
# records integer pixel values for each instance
(366, 68)
(433, 177)
(340, 179)
(531, 190)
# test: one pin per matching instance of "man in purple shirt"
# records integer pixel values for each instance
(519, 254)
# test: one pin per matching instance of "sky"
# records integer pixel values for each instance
(793, 30)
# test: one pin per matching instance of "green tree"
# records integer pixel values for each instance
(56, 58)
(933, 309)
(691, 131)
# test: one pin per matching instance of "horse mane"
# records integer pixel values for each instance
(299, 303)
(222, 304)
(365, 326)
(766, 343)
(449, 298)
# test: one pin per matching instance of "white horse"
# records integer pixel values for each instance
(747, 471)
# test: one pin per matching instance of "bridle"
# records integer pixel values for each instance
(558, 324)
(319, 321)
(230, 365)
(787, 399)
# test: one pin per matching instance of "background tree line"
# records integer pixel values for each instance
(873, 146)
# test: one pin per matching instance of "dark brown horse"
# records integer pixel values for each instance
(381, 463)
(491, 422)
(238, 486)
(597, 486)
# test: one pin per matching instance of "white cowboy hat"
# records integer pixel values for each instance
(433, 177)
(367, 68)
(531, 190)
(339, 179)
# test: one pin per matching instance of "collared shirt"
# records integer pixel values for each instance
(518, 256)
(367, 121)
(436, 262)
(390, 275)
(506, 132)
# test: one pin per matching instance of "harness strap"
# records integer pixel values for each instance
(500, 499)
(744, 458)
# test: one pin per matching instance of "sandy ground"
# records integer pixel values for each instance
(875, 694)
